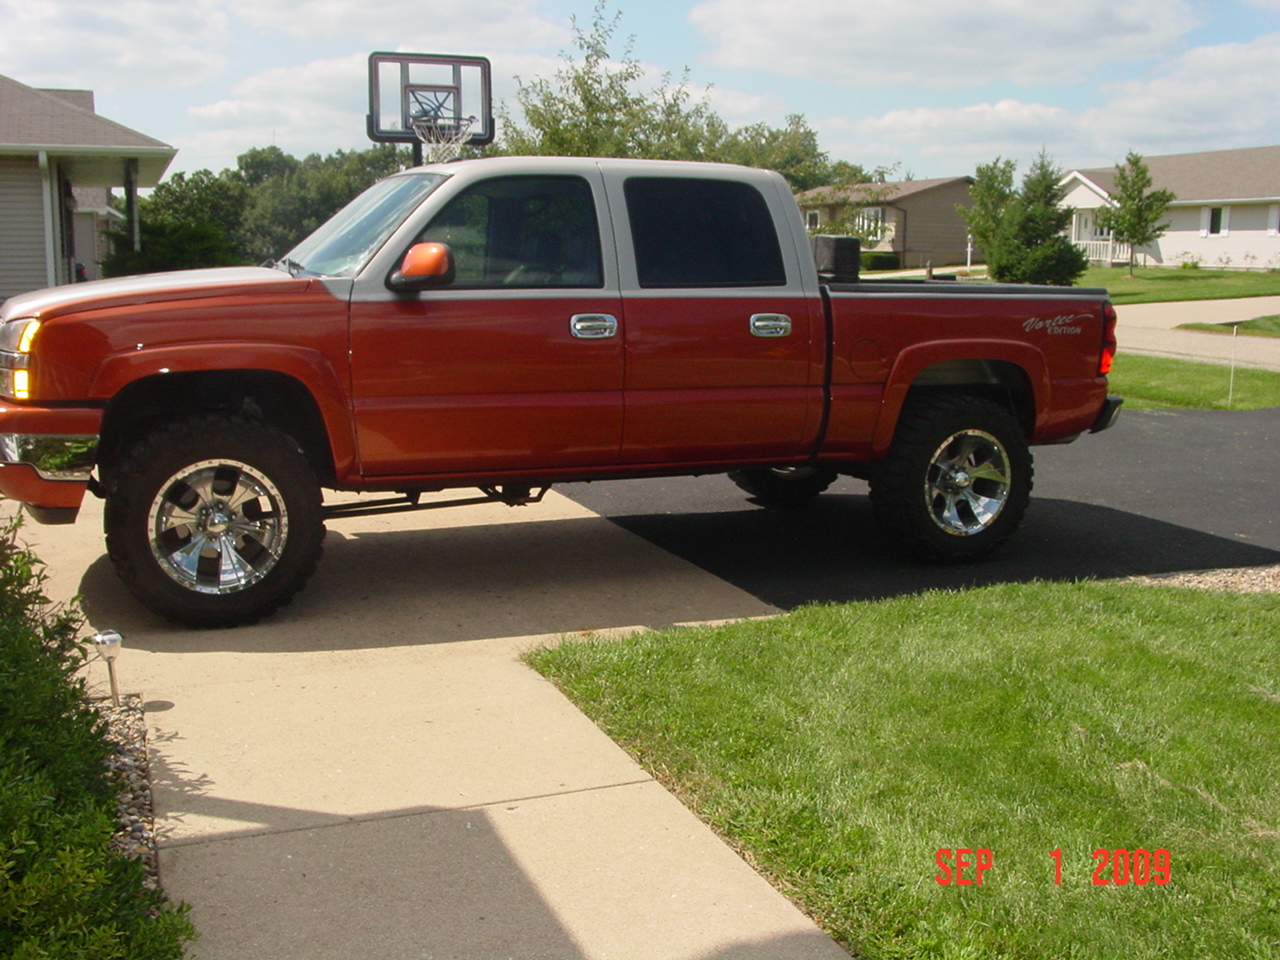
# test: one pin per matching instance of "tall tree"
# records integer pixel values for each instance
(596, 106)
(1135, 218)
(591, 107)
(792, 150)
(1023, 232)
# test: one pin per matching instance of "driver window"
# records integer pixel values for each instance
(522, 232)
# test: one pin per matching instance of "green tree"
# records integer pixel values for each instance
(792, 150)
(215, 199)
(290, 198)
(591, 107)
(260, 164)
(1135, 218)
(1023, 232)
(595, 107)
(169, 245)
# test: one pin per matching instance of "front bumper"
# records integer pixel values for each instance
(46, 459)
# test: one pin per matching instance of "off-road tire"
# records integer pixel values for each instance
(214, 520)
(956, 482)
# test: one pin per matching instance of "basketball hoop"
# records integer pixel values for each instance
(440, 102)
(442, 137)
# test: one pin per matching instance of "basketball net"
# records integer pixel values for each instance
(442, 138)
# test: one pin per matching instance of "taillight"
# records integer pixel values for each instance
(1108, 339)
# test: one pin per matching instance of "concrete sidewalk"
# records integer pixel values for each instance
(1150, 328)
(372, 775)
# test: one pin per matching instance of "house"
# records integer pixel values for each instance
(58, 161)
(914, 219)
(1227, 211)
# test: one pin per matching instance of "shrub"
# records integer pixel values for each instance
(879, 260)
(63, 892)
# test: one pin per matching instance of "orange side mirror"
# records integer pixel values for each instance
(424, 265)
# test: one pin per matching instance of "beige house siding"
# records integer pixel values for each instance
(921, 222)
(57, 159)
(934, 232)
(23, 261)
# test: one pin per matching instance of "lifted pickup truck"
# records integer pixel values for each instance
(508, 323)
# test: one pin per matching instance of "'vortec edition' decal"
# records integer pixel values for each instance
(1056, 325)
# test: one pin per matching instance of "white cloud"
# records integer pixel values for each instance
(317, 107)
(110, 46)
(1211, 98)
(939, 42)
(440, 26)
(1223, 95)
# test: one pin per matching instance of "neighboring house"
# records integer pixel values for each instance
(1227, 211)
(915, 219)
(58, 161)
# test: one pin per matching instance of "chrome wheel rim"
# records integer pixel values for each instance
(968, 483)
(217, 526)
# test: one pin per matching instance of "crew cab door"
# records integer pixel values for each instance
(517, 364)
(723, 345)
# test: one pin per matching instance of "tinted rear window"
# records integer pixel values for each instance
(702, 233)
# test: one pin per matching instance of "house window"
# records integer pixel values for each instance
(1215, 221)
(813, 221)
(1273, 220)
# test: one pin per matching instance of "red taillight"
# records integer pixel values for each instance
(1108, 339)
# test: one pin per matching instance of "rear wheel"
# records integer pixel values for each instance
(784, 486)
(214, 520)
(957, 479)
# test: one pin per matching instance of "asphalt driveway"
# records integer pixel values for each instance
(1161, 492)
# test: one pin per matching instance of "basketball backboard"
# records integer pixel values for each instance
(429, 90)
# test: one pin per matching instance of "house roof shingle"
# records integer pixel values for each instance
(63, 124)
(1252, 173)
(891, 192)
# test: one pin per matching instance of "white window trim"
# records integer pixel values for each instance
(1206, 218)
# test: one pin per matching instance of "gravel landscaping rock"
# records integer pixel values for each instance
(131, 769)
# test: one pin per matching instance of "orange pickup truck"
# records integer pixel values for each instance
(509, 323)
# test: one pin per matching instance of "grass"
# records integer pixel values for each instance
(841, 747)
(1159, 383)
(1164, 284)
(1257, 327)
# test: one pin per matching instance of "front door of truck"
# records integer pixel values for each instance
(516, 365)
(723, 346)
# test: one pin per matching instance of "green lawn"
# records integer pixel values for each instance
(840, 748)
(1257, 327)
(1163, 284)
(1159, 383)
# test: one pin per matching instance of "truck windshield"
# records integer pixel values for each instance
(347, 240)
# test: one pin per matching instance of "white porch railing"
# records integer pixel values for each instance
(1104, 251)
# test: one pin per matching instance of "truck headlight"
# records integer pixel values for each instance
(16, 340)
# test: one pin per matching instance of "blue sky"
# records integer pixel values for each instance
(932, 85)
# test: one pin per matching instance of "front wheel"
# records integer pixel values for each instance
(957, 479)
(214, 520)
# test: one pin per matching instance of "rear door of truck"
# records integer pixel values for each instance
(723, 345)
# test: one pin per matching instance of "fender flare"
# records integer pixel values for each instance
(308, 367)
(914, 360)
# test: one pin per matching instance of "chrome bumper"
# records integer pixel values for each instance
(54, 456)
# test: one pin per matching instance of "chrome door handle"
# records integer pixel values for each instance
(593, 326)
(770, 325)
